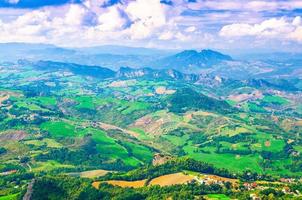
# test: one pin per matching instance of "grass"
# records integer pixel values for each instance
(101, 137)
(268, 143)
(123, 106)
(99, 101)
(217, 197)
(51, 143)
(85, 102)
(45, 101)
(111, 149)
(298, 148)
(135, 106)
(10, 197)
(176, 140)
(38, 143)
(275, 145)
(231, 102)
(231, 132)
(255, 108)
(299, 108)
(142, 134)
(30, 106)
(131, 161)
(16, 148)
(49, 166)
(59, 129)
(235, 146)
(275, 100)
(234, 163)
(140, 152)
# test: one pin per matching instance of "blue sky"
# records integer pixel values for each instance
(261, 25)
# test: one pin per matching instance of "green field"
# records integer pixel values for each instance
(51, 143)
(255, 108)
(217, 197)
(234, 162)
(49, 166)
(64, 121)
(10, 197)
(59, 129)
(275, 100)
(45, 101)
(140, 152)
(84, 102)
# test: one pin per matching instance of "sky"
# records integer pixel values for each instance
(242, 25)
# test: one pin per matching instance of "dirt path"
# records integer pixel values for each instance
(29, 167)
(29, 191)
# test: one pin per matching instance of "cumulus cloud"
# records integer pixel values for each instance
(272, 28)
(296, 34)
(149, 22)
(254, 5)
(146, 16)
(112, 20)
(92, 23)
(190, 29)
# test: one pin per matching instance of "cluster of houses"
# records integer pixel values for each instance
(282, 185)
(212, 179)
(250, 186)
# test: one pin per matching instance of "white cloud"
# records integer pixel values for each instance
(146, 15)
(297, 34)
(148, 22)
(167, 35)
(272, 28)
(190, 29)
(13, 1)
(90, 23)
(253, 5)
(297, 21)
(74, 16)
(111, 20)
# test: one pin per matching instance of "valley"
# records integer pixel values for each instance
(150, 100)
(57, 118)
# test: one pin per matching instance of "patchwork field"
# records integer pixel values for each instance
(131, 184)
(216, 197)
(90, 174)
(171, 179)
(63, 121)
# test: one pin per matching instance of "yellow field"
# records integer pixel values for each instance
(93, 173)
(171, 179)
(219, 178)
(124, 184)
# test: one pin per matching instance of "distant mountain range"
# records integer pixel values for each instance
(187, 62)
(191, 60)
(164, 74)
(123, 72)
(112, 57)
